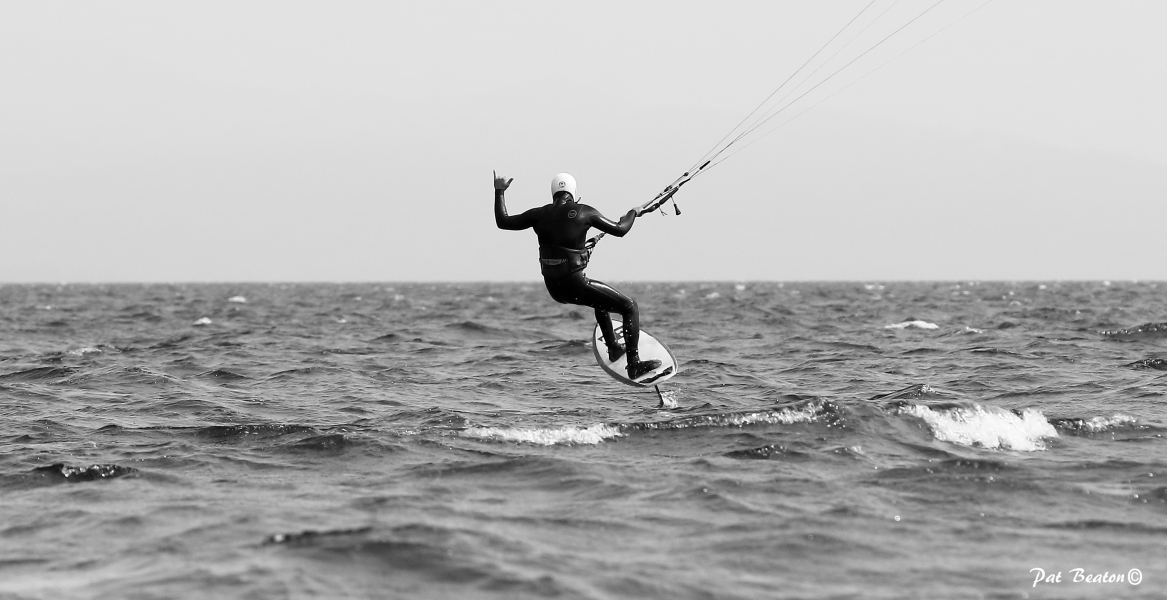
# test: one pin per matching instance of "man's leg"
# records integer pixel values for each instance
(601, 296)
(575, 288)
(615, 351)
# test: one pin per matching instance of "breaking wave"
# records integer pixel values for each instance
(567, 435)
(809, 412)
(912, 324)
(982, 427)
(818, 411)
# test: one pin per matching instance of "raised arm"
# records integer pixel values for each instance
(501, 218)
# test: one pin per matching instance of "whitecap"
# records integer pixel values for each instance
(807, 413)
(84, 351)
(987, 427)
(915, 324)
(237, 299)
(786, 416)
(203, 321)
(712, 296)
(568, 435)
(741, 287)
(1097, 424)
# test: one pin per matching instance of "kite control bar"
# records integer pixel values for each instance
(659, 201)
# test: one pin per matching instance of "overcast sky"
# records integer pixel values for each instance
(354, 141)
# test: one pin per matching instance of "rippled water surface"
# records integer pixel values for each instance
(841, 440)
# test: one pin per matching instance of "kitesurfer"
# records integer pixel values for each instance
(562, 227)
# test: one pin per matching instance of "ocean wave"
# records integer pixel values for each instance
(1145, 330)
(234, 432)
(1158, 494)
(1095, 424)
(39, 373)
(138, 374)
(221, 374)
(912, 324)
(309, 372)
(567, 347)
(1000, 351)
(143, 315)
(442, 561)
(430, 418)
(969, 469)
(172, 342)
(476, 328)
(1149, 363)
(1119, 526)
(765, 452)
(966, 330)
(569, 435)
(994, 428)
(312, 535)
(912, 392)
(75, 474)
(329, 442)
(809, 412)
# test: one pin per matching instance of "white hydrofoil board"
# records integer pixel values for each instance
(650, 349)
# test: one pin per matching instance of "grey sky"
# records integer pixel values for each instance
(212, 141)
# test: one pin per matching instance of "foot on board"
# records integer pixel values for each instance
(641, 367)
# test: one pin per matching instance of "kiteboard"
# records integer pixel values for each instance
(650, 348)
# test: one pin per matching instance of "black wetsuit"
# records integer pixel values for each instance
(562, 229)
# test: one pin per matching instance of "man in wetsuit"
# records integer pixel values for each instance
(562, 228)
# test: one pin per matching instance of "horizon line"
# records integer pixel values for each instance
(539, 281)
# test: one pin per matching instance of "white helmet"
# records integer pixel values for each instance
(563, 182)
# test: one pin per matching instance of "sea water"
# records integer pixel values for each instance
(831, 440)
